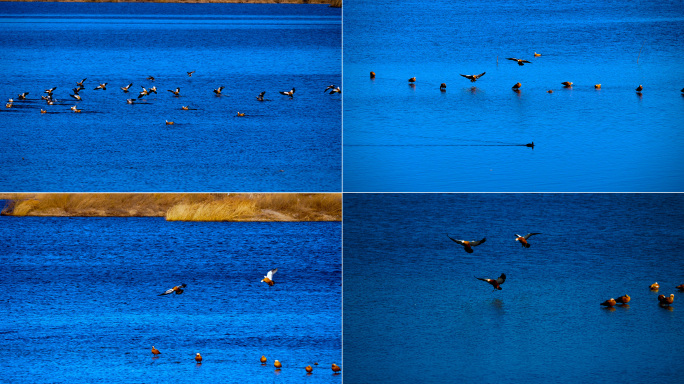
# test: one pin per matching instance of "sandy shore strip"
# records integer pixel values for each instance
(179, 206)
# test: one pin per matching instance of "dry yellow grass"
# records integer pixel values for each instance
(181, 206)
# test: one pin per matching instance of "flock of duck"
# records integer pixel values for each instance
(516, 87)
(75, 94)
(268, 279)
(663, 301)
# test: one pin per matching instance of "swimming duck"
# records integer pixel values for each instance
(442, 87)
(261, 96)
(288, 93)
(125, 89)
(567, 84)
(190, 73)
(523, 239)
(336, 368)
(372, 76)
(178, 287)
(473, 78)
(495, 283)
(680, 287)
(198, 358)
(130, 101)
(277, 364)
(623, 299)
(412, 80)
(666, 300)
(521, 62)
(597, 86)
(467, 245)
(240, 114)
(263, 359)
(537, 54)
(155, 351)
(655, 286)
(43, 111)
(176, 92)
(516, 86)
(218, 90)
(8, 105)
(609, 303)
(102, 86)
(308, 369)
(549, 91)
(639, 88)
(169, 122)
(185, 108)
(268, 279)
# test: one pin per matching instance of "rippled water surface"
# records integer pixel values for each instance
(472, 137)
(281, 144)
(83, 304)
(414, 312)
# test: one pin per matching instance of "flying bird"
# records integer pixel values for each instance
(80, 83)
(523, 239)
(288, 93)
(130, 101)
(268, 279)
(22, 96)
(176, 92)
(521, 62)
(125, 89)
(467, 245)
(331, 86)
(261, 96)
(49, 91)
(190, 73)
(144, 92)
(76, 109)
(76, 96)
(178, 289)
(102, 86)
(336, 90)
(218, 90)
(609, 303)
(150, 78)
(495, 283)
(153, 90)
(473, 78)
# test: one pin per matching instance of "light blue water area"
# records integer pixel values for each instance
(415, 312)
(281, 144)
(403, 138)
(81, 300)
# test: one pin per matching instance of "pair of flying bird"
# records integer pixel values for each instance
(468, 245)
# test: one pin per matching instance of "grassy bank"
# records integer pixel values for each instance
(333, 3)
(180, 206)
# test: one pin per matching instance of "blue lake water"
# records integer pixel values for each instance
(81, 295)
(281, 144)
(402, 138)
(414, 312)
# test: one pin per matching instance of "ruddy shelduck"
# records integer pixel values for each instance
(537, 54)
(155, 351)
(597, 86)
(609, 303)
(680, 287)
(308, 369)
(176, 289)
(190, 73)
(277, 364)
(567, 84)
(125, 89)
(473, 78)
(639, 88)
(218, 90)
(521, 62)
(666, 300)
(198, 358)
(655, 286)
(623, 299)
(495, 283)
(288, 93)
(169, 122)
(331, 86)
(336, 90)
(261, 96)
(268, 279)
(176, 92)
(523, 239)
(516, 86)
(240, 114)
(372, 76)
(412, 80)
(336, 368)
(442, 87)
(102, 86)
(467, 245)
(263, 359)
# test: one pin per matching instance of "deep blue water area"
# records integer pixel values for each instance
(281, 144)
(81, 300)
(472, 137)
(415, 312)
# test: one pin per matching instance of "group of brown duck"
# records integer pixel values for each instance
(268, 279)
(50, 100)
(663, 301)
(516, 86)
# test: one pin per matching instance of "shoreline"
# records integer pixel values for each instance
(332, 3)
(242, 207)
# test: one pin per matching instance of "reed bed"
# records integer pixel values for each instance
(180, 206)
